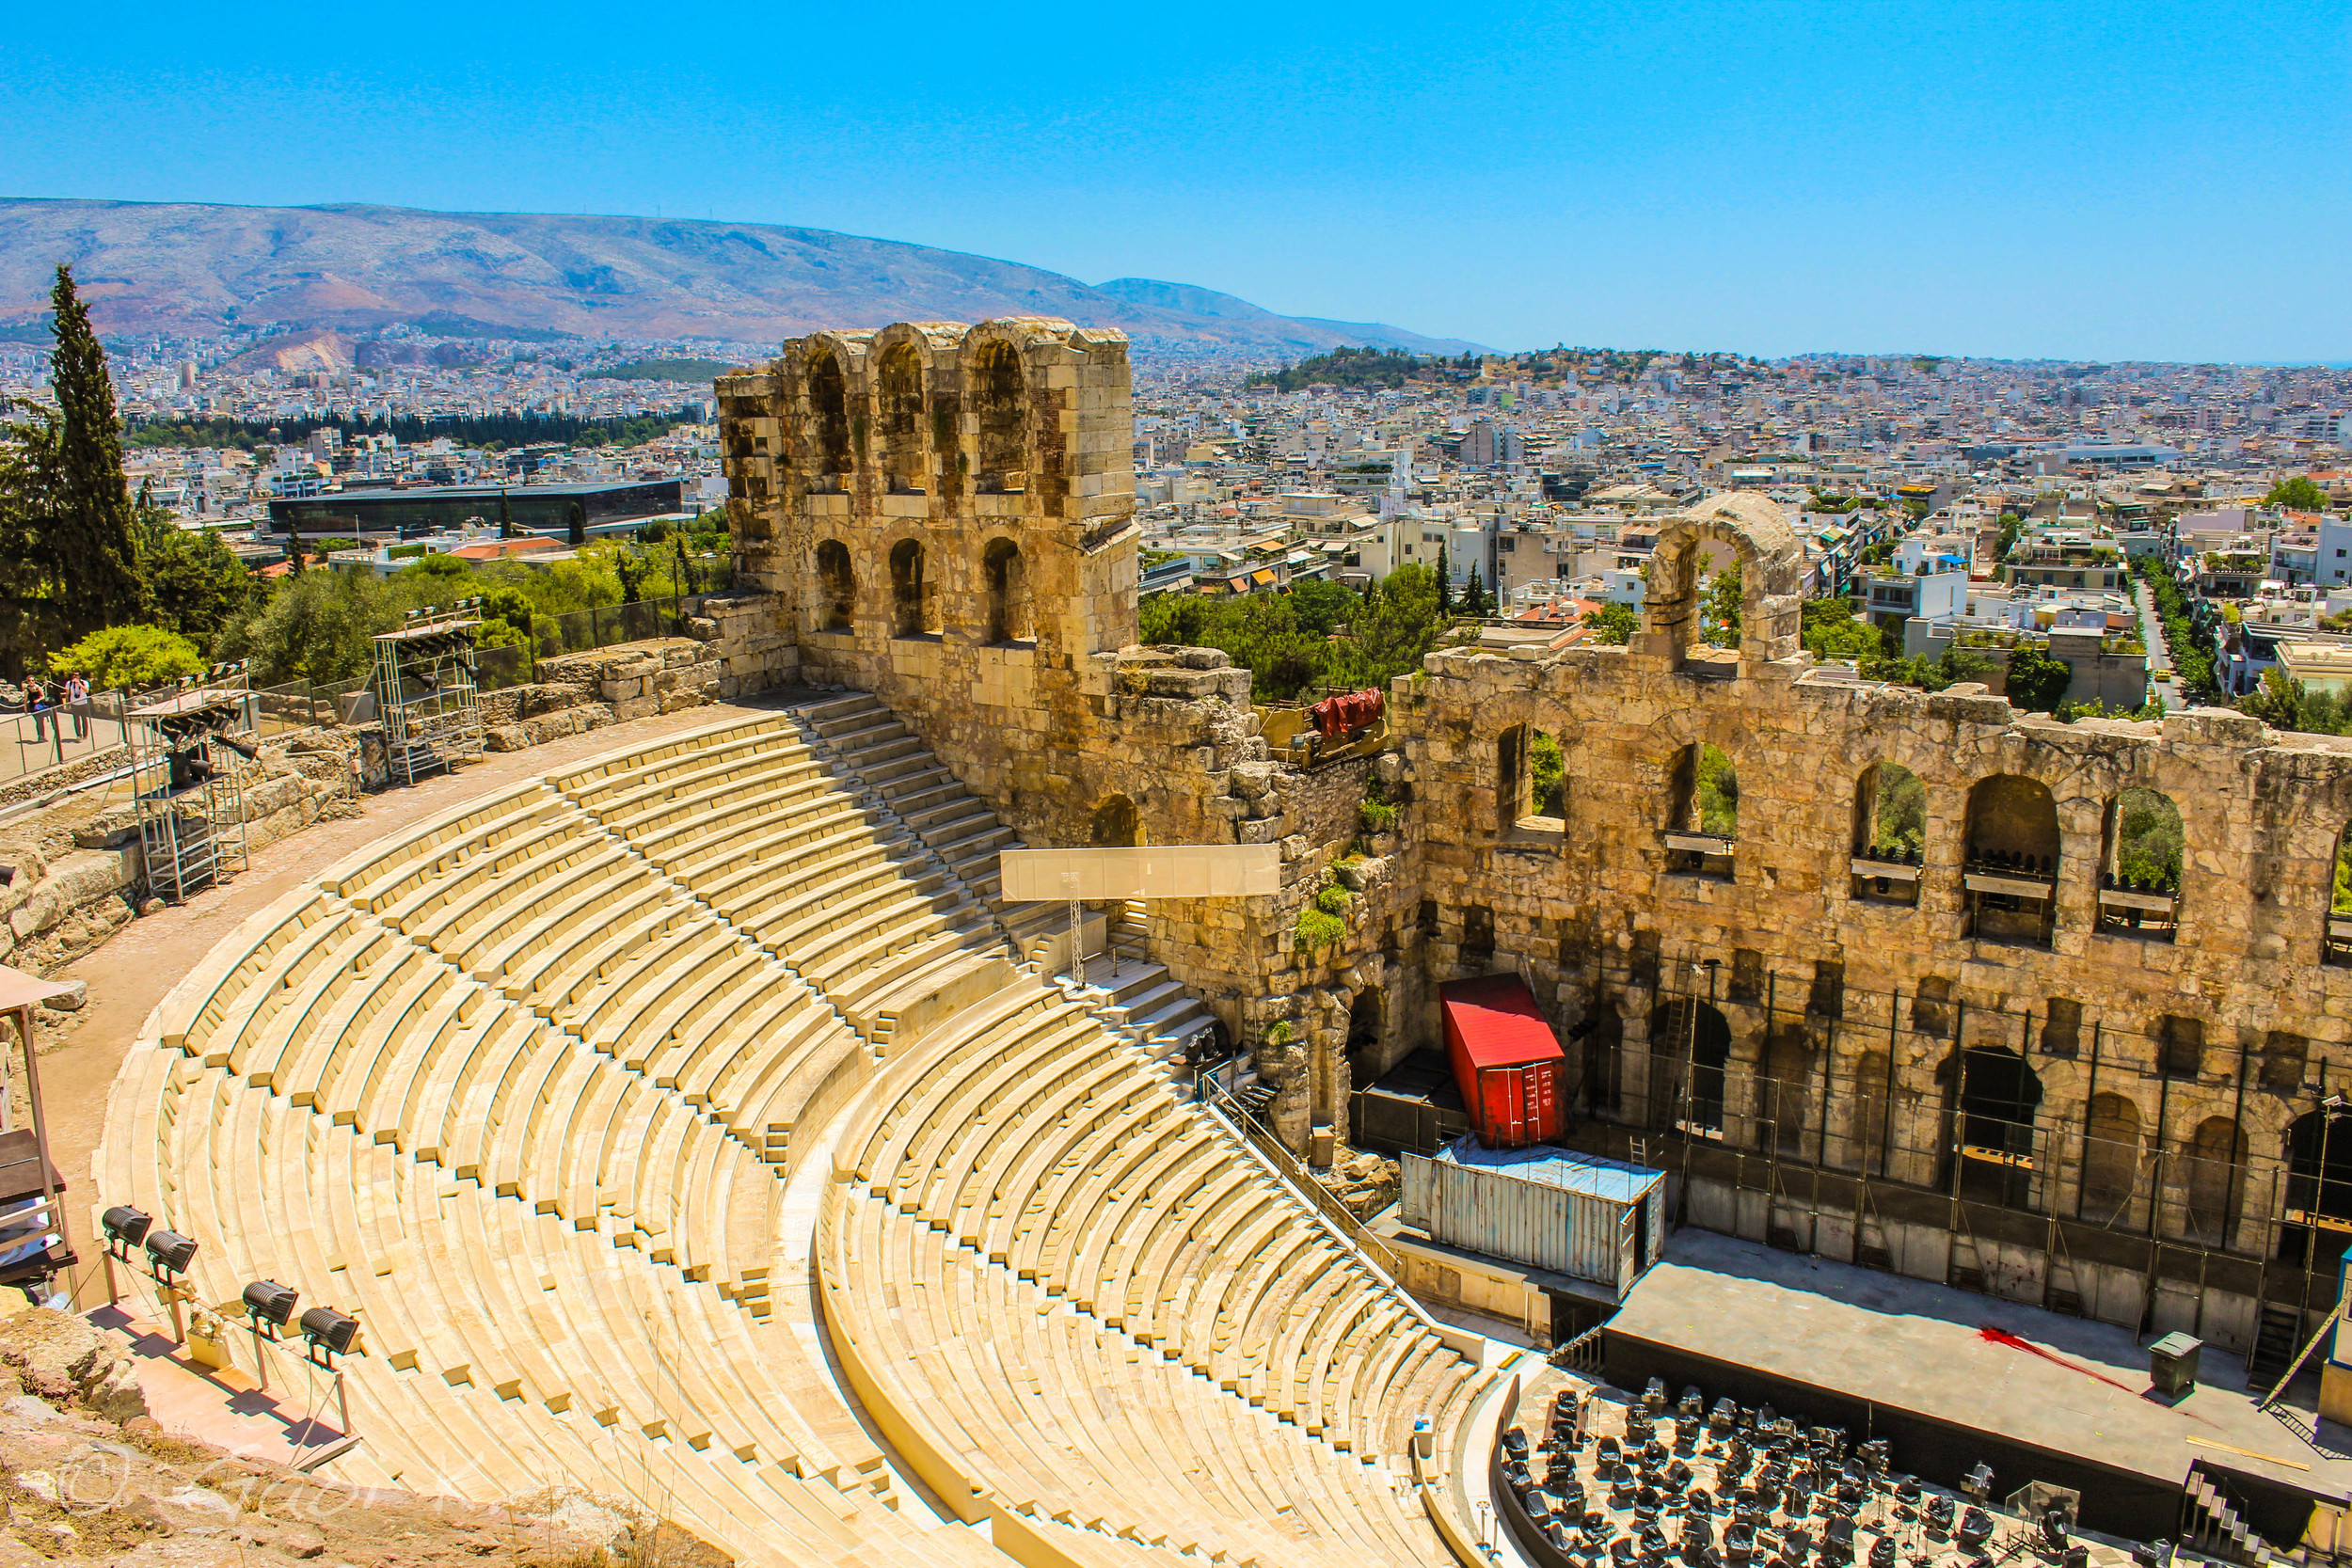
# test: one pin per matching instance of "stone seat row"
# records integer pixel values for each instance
(491, 1330)
(1040, 1406)
(1029, 1133)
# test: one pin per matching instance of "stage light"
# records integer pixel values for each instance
(330, 1330)
(170, 1251)
(266, 1301)
(126, 1227)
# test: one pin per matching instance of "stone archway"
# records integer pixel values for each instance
(1771, 564)
(1115, 824)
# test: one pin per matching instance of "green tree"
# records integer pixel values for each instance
(1721, 613)
(91, 542)
(576, 523)
(316, 626)
(130, 656)
(1474, 603)
(1613, 624)
(195, 586)
(1829, 629)
(69, 549)
(2037, 681)
(2299, 494)
(1445, 583)
(506, 515)
(1548, 775)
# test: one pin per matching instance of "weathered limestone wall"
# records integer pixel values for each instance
(2194, 1047)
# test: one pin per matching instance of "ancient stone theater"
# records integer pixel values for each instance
(702, 1120)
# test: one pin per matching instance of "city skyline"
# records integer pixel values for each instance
(2019, 181)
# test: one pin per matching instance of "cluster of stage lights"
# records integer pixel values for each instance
(218, 673)
(269, 1305)
(453, 637)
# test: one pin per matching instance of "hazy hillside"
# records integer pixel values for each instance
(189, 266)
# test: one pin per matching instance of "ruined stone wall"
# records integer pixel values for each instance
(1607, 916)
(944, 514)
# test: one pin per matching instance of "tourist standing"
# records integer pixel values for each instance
(77, 698)
(37, 704)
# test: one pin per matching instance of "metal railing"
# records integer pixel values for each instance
(1261, 1138)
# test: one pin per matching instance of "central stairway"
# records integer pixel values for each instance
(525, 1087)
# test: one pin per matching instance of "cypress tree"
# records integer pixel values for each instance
(90, 544)
(577, 519)
(1445, 584)
(506, 516)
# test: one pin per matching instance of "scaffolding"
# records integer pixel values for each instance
(426, 693)
(189, 795)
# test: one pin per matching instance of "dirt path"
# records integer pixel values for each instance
(146, 958)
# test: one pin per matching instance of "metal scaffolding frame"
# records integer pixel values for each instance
(191, 805)
(426, 691)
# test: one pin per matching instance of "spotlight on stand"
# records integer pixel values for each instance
(329, 1333)
(169, 1252)
(125, 1228)
(268, 1305)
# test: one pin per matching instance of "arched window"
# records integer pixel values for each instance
(1530, 785)
(829, 409)
(1510, 777)
(2111, 1158)
(837, 587)
(1890, 826)
(2140, 869)
(1702, 813)
(998, 396)
(1006, 579)
(1117, 824)
(899, 409)
(2215, 1181)
(2011, 859)
(913, 598)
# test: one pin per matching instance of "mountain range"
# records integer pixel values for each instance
(198, 267)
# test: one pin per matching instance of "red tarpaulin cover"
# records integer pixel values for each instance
(1334, 717)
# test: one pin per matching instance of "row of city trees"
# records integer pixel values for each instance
(1317, 635)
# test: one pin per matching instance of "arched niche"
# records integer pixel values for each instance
(1116, 823)
(1691, 1050)
(913, 595)
(898, 420)
(829, 422)
(1992, 1100)
(997, 395)
(1005, 591)
(2111, 1158)
(2214, 1186)
(837, 587)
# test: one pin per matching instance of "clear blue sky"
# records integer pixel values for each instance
(2116, 180)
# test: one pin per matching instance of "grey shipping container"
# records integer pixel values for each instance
(1592, 1219)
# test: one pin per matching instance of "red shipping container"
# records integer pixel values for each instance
(1506, 1061)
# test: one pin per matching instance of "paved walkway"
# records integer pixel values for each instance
(131, 974)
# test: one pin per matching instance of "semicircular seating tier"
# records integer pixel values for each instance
(689, 1125)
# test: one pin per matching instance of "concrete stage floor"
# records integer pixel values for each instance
(1914, 1346)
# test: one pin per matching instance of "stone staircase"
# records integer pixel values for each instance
(1138, 1000)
